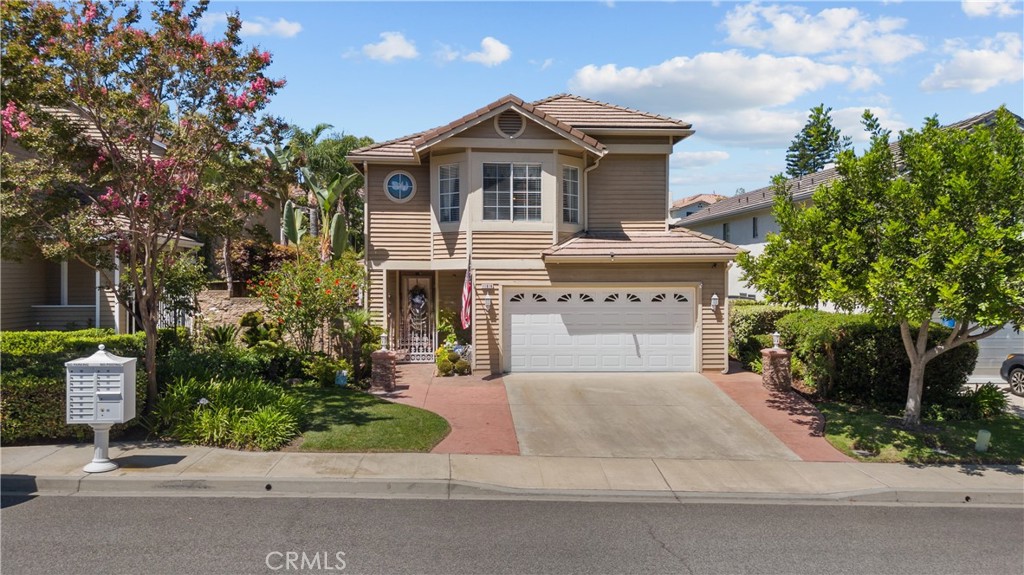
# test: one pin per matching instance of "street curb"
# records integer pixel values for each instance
(404, 488)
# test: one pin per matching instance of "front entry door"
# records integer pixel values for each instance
(417, 334)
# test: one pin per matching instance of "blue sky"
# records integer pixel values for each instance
(743, 74)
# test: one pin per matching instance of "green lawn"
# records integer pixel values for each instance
(849, 427)
(346, 420)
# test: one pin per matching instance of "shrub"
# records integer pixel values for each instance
(243, 413)
(747, 321)
(462, 367)
(987, 401)
(322, 368)
(221, 335)
(210, 363)
(33, 390)
(748, 351)
(445, 368)
(847, 357)
(257, 330)
(453, 356)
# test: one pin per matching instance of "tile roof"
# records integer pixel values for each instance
(760, 198)
(584, 113)
(564, 113)
(706, 198)
(678, 244)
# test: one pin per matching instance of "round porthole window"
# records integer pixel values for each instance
(400, 187)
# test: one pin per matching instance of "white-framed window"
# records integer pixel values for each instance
(725, 231)
(754, 226)
(512, 191)
(570, 195)
(448, 190)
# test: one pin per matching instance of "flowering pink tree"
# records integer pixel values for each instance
(111, 130)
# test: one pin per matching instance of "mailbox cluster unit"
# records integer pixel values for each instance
(101, 388)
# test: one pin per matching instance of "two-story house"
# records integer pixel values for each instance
(558, 209)
(746, 220)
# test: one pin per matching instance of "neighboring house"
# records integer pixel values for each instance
(41, 294)
(558, 207)
(692, 204)
(746, 219)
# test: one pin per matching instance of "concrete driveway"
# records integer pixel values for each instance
(671, 415)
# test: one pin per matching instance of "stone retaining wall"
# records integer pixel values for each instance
(218, 309)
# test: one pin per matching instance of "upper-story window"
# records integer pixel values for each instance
(753, 226)
(448, 186)
(570, 195)
(725, 231)
(512, 192)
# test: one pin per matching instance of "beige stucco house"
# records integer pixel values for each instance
(559, 210)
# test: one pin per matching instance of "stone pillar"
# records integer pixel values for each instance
(775, 369)
(382, 377)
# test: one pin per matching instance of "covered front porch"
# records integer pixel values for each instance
(416, 304)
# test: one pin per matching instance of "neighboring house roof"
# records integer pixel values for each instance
(570, 116)
(760, 198)
(678, 244)
(689, 201)
(803, 188)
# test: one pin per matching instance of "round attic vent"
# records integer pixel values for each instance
(509, 124)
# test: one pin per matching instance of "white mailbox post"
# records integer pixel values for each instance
(101, 392)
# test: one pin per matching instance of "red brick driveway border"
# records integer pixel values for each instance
(790, 417)
(475, 406)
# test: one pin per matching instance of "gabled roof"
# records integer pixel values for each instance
(690, 200)
(760, 198)
(567, 115)
(675, 245)
(584, 113)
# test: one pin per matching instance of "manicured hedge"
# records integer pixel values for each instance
(748, 326)
(32, 379)
(847, 357)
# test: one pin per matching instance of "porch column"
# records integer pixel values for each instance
(64, 282)
(98, 294)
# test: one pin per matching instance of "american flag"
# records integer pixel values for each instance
(467, 299)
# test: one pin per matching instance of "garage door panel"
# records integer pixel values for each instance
(602, 330)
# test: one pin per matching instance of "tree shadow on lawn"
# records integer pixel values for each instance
(882, 438)
(329, 407)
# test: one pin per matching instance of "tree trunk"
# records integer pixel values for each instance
(227, 266)
(912, 413)
(149, 326)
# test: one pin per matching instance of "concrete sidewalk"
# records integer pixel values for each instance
(170, 469)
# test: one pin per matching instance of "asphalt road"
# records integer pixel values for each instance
(234, 535)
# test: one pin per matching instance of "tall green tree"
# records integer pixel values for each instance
(936, 230)
(817, 144)
(115, 120)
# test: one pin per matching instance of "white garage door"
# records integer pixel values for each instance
(582, 329)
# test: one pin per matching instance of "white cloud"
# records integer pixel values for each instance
(445, 54)
(995, 61)
(712, 82)
(492, 52)
(392, 46)
(259, 26)
(984, 8)
(750, 128)
(841, 34)
(265, 27)
(698, 159)
(547, 63)
(863, 78)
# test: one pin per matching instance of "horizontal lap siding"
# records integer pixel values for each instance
(23, 287)
(628, 193)
(487, 331)
(398, 231)
(60, 318)
(509, 245)
(449, 245)
(449, 289)
(375, 297)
